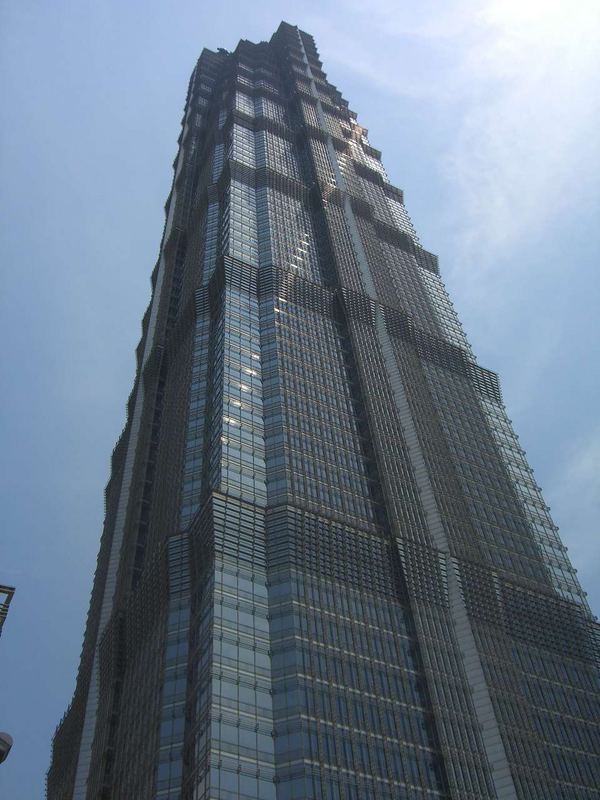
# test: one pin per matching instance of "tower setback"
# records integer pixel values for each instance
(326, 569)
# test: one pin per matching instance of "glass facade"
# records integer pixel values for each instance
(326, 569)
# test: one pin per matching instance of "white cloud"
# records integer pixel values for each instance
(526, 149)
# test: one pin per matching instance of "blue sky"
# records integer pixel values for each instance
(487, 114)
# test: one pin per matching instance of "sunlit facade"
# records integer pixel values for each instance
(326, 568)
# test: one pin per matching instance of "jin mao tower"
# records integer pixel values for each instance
(326, 569)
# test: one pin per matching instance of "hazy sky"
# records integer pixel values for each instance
(487, 114)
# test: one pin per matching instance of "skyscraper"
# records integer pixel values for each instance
(326, 569)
